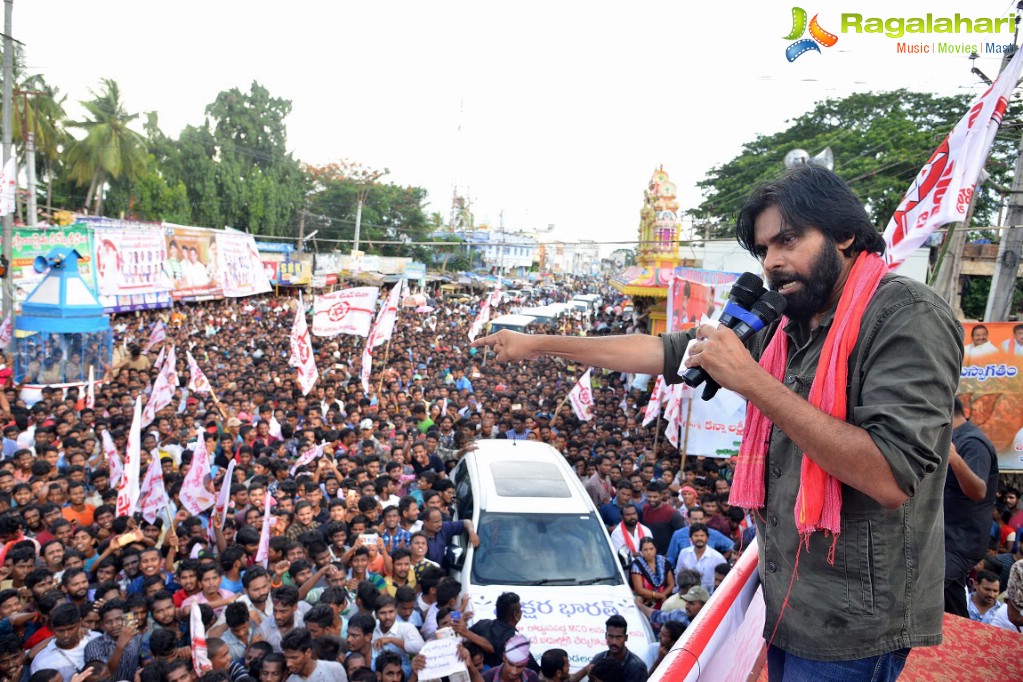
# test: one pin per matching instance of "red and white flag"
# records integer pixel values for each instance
(157, 335)
(113, 459)
(383, 327)
(349, 311)
(160, 358)
(308, 456)
(581, 398)
(484, 314)
(223, 500)
(302, 352)
(153, 495)
(6, 331)
(194, 495)
(197, 381)
(673, 413)
(263, 551)
(942, 190)
(653, 408)
(128, 495)
(90, 392)
(200, 658)
(163, 388)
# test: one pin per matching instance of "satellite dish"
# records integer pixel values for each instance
(40, 264)
(826, 159)
(797, 158)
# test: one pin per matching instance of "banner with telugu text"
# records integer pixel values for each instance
(29, 242)
(239, 265)
(991, 386)
(191, 264)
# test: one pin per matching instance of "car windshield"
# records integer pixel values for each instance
(543, 549)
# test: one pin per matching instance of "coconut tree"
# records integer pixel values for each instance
(109, 148)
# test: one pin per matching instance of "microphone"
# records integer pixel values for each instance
(765, 311)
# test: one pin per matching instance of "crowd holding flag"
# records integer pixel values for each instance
(484, 315)
(223, 501)
(382, 330)
(128, 495)
(653, 408)
(581, 398)
(194, 495)
(197, 380)
(308, 456)
(113, 459)
(152, 494)
(200, 658)
(942, 190)
(163, 388)
(156, 336)
(302, 351)
(90, 393)
(263, 550)
(348, 311)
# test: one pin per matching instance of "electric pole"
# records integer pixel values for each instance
(7, 122)
(1003, 281)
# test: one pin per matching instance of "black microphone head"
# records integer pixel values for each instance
(770, 307)
(746, 289)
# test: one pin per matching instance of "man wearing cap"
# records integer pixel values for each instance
(695, 599)
(514, 663)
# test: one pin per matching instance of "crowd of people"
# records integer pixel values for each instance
(355, 583)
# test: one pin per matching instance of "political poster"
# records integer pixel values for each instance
(190, 268)
(29, 242)
(695, 293)
(991, 386)
(239, 266)
(129, 262)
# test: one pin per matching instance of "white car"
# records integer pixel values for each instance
(541, 538)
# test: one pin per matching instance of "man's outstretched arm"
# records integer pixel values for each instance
(639, 353)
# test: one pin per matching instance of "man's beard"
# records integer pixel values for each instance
(811, 298)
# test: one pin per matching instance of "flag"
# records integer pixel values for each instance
(200, 659)
(349, 311)
(366, 368)
(163, 388)
(157, 335)
(484, 315)
(194, 495)
(581, 397)
(90, 393)
(302, 352)
(653, 408)
(128, 495)
(673, 413)
(160, 358)
(275, 426)
(308, 456)
(152, 494)
(113, 459)
(6, 332)
(197, 381)
(942, 190)
(223, 500)
(263, 551)
(383, 327)
(8, 186)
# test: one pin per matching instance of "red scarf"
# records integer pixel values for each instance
(819, 502)
(628, 536)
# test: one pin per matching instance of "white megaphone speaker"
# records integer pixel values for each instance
(826, 159)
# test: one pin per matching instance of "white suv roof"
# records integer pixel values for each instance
(506, 473)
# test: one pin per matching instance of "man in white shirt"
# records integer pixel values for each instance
(297, 646)
(1014, 346)
(699, 556)
(391, 634)
(630, 531)
(66, 652)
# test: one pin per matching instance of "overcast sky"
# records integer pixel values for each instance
(565, 108)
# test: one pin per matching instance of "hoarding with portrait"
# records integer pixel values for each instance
(991, 386)
(694, 294)
(191, 264)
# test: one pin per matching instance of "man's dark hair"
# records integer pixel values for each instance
(957, 407)
(286, 594)
(986, 575)
(236, 614)
(253, 573)
(811, 197)
(504, 608)
(552, 661)
(607, 669)
(698, 527)
(231, 554)
(333, 595)
(429, 578)
(384, 659)
(163, 642)
(362, 622)
(616, 621)
(321, 614)
(297, 639)
(448, 589)
(65, 614)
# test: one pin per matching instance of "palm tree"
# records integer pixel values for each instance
(109, 149)
(42, 112)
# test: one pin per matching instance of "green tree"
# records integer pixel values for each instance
(109, 149)
(880, 142)
(236, 166)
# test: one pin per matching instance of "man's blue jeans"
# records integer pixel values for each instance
(785, 667)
